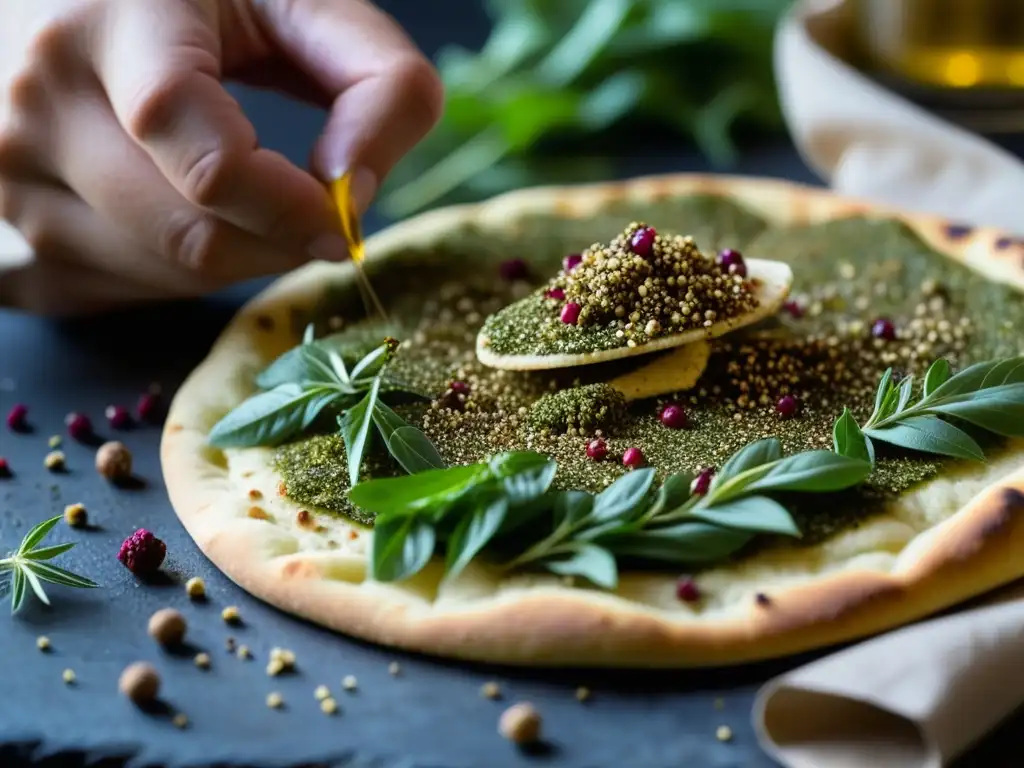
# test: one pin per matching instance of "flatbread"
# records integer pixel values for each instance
(952, 538)
(774, 279)
(676, 371)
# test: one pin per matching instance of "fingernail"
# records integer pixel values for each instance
(329, 247)
(362, 187)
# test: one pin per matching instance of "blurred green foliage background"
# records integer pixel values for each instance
(586, 75)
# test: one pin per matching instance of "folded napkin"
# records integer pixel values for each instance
(920, 696)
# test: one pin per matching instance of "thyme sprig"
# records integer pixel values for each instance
(28, 567)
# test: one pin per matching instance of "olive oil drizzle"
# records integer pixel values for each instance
(342, 194)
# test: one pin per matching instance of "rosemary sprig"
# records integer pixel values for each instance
(28, 567)
(988, 396)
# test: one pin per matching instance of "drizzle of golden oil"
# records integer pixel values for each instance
(341, 193)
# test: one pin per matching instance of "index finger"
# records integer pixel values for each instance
(161, 69)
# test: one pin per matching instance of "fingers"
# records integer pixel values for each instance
(136, 198)
(159, 63)
(388, 94)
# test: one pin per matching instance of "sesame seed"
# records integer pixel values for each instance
(328, 706)
(68, 675)
(43, 643)
(275, 700)
(349, 683)
(723, 733)
(321, 693)
(231, 615)
(394, 669)
(202, 660)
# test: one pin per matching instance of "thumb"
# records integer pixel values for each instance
(386, 95)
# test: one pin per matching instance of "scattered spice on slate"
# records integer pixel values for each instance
(349, 683)
(231, 615)
(883, 328)
(281, 660)
(520, 723)
(202, 660)
(180, 720)
(490, 690)
(195, 588)
(17, 418)
(394, 669)
(723, 733)
(142, 553)
(118, 416)
(140, 682)
(582, 694)
(76, 515)
(168, 627)
(43, 643)
(244, 652)
(55, 441)
(328, 706)
(79, 426)
(55, 461)
(322, 692)
(114, 461)
(275, 700)
(5, 468)
(68, 676)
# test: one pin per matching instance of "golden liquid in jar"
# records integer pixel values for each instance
(959, 44)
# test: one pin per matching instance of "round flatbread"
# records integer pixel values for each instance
(951, 537)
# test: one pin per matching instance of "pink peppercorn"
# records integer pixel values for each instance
(794, 309)
(148, 408)
(633, 458)
(597, 449)
(5, 468)
(702, 482)
(142, 553)
(118, 416)
(732, 262)
(687, 590)
(79, 426)
(555, 293)
(883, 328)
(17, 418)
(787, 406)
(570, 262)
(459, 387)
(642, 241)
(571, 313)
(674, 417)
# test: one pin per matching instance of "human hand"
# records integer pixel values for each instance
(134, 175)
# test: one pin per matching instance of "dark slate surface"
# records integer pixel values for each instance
(431, 716)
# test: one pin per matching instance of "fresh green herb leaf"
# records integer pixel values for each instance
(309, 334)
(755, 454)
(937, 375)
(882, 395)
(55, 575)
(402, 546)
(472, 534)
(28, 569)
(685, 543)
(905, 391)
(590, 562)
(413, 450)
(48, 553)
(620, 499)
(529, 484)
(18, 585)
(355, 429)
(36, 534)
(422, 491)
(930, 435)
(274, 417)
(810, 471)
(756, 514)
(372, 363)
(514, 462)
(848, 439)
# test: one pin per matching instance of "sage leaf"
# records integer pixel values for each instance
(409, 493)
(402, 546)
(571, 507)
(413, 450)
(684, 543)
(513, 462)
(355, 429)
(982, 375)
(309, 334)
(371, 364)
(673, 493)
(590, 562)
(848, 439)
(999, 410)
(904, 392)
(472, 534)
(937, 375)
(529, 484)
(752, 455)
(882, 394)
(814, 471)
(271, 418)
(306, 364)
(758, 514)
(338, 366)
(621, 498)
(929, 434)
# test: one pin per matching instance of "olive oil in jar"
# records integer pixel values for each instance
(947, 44)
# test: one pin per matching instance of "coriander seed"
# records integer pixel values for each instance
(723, 733)
(43, 643)
(321, 693)
(167, 626)
(328, 706)
(275, 700)
(490, 690)
(75, 515)
(140, 682)
(180, 720)
(582, 694)
(231, 615)
(520, 723)
(54, 461)
(195, 588)
(349, 683)
(202, 660)
(68, 676)
(394, 669)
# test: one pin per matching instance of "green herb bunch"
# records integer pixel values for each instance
(506, 506)
(314, 379)
(987, 396)
(580, 70)
(29, 567)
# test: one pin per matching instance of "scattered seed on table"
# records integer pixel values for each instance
(68, 675)
(140, 682)
(180, 720)
(195, 588)
(394, 669)
(520, 723)
(490, 691)
(322, 693)
(114, 461)
(54, 461)
(274, 700)
(244, 652)
(43, 643)
(328, 706)
(54, 441)
(723, 733)
(275, 667)
(349, 683)
(202, 660)
(168, 627)
(76, 515)
(231, 615)
(582, 693)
